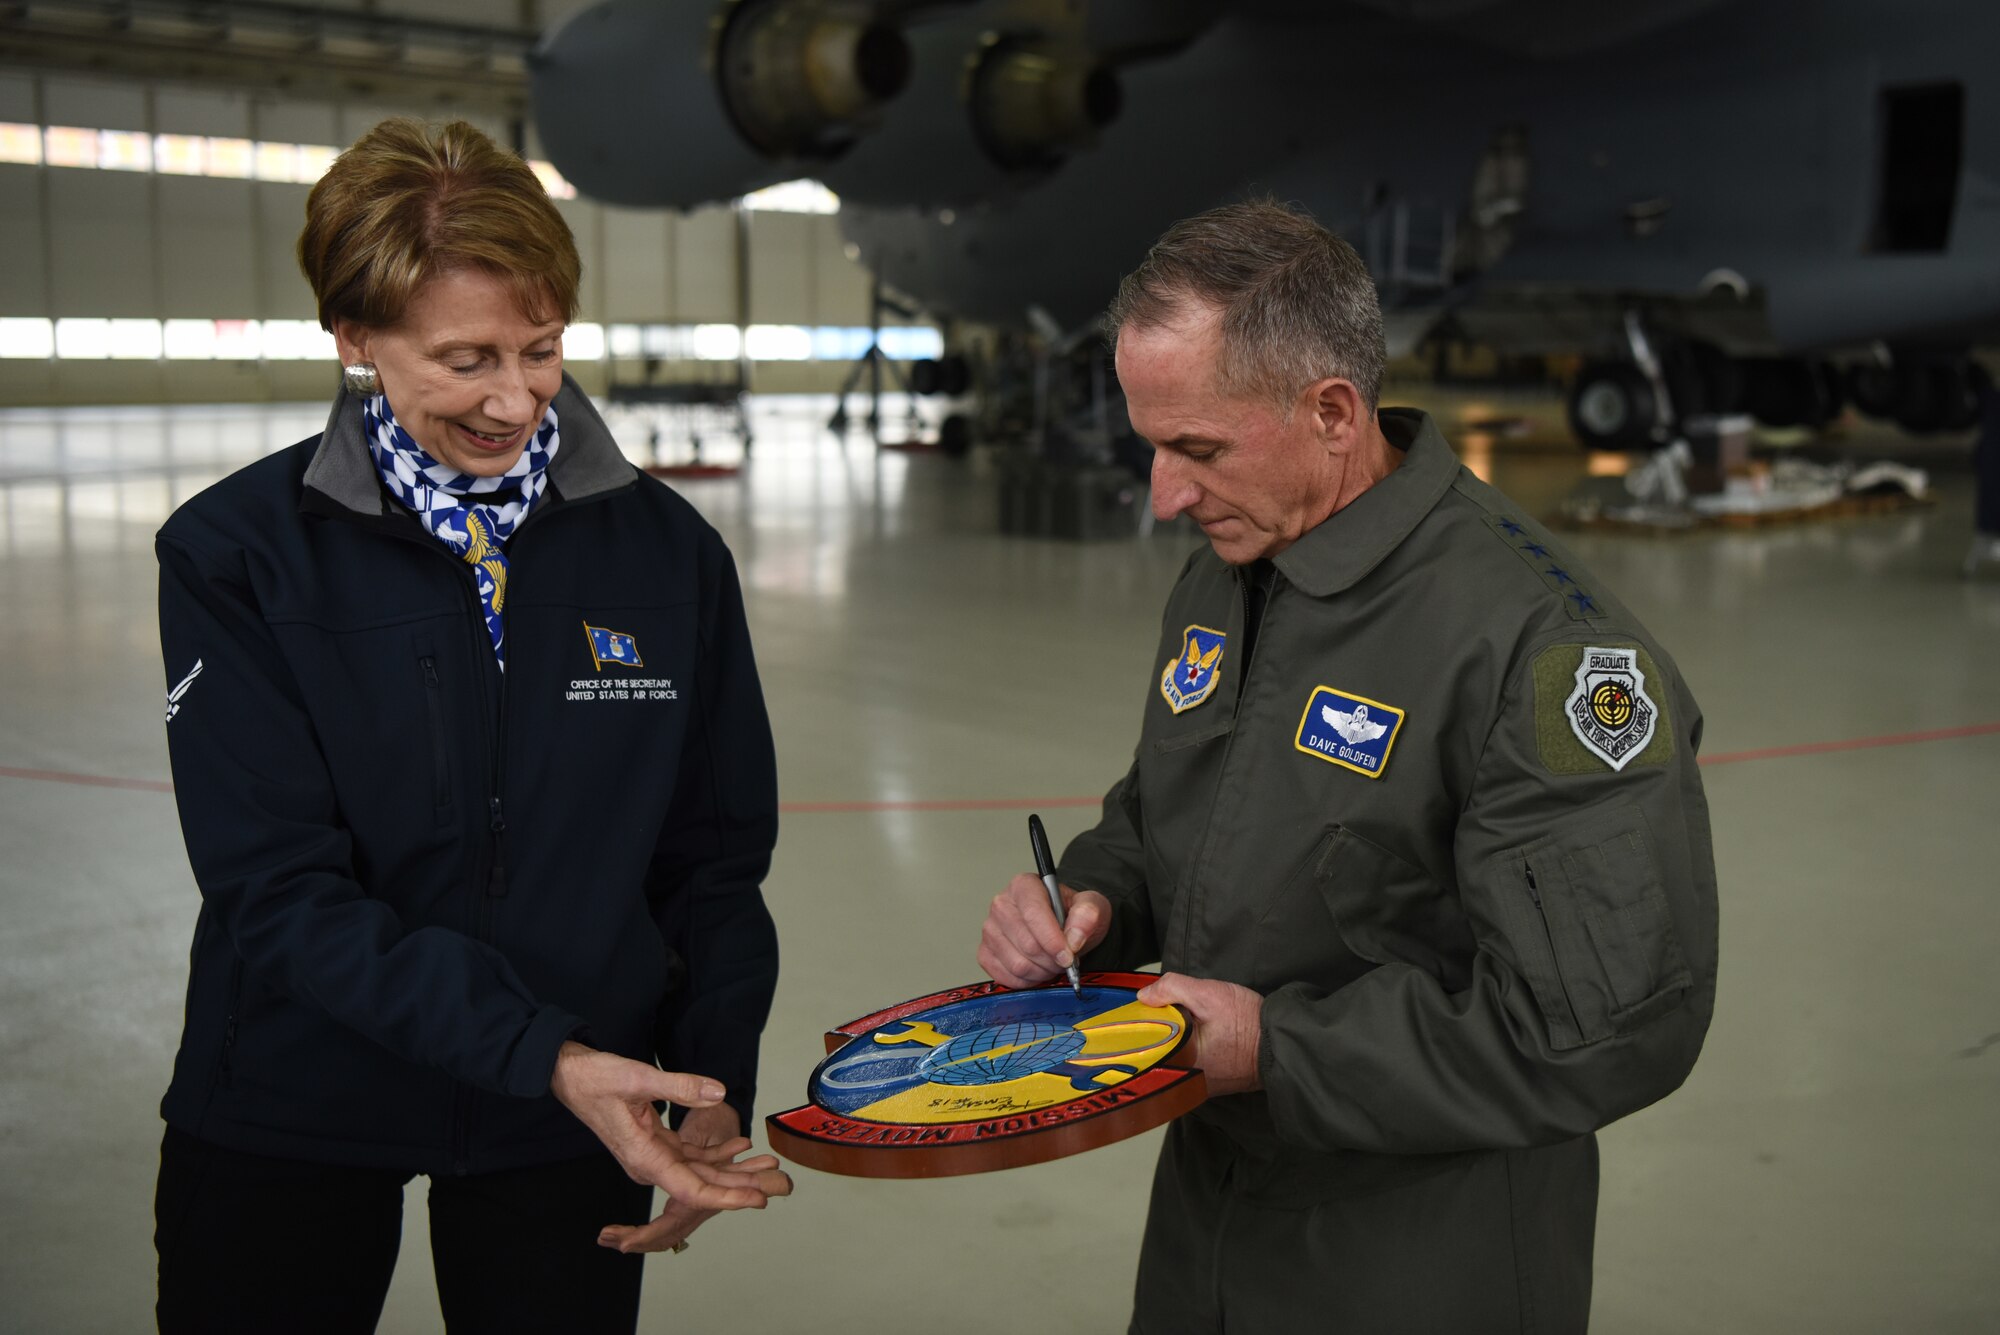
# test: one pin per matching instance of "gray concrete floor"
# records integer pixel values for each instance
(1829, 1168)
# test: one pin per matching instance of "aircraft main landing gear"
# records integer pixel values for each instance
(1643, 403)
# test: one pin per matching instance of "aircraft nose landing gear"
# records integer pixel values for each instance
(1612, 406)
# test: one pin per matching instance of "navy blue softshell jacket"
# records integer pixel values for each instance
(420, 875)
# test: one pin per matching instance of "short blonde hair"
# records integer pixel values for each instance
(412, 200)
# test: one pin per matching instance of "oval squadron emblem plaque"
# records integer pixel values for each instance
(979, 1078)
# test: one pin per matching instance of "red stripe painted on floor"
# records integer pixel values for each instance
(1054, 803)
(961, 804)
(1853, 744)
(87, 780)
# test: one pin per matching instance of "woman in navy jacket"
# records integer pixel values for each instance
(478, 786)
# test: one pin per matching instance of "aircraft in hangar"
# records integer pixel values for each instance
(1724, 205)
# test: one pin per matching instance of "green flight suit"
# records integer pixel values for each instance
(1481, 913)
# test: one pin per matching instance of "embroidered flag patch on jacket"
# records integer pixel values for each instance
(611, 646)
(1191, 676)
(1348, 730)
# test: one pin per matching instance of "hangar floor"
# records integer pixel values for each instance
(1829, 1168)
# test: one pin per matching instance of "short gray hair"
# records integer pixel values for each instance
(1297, 303)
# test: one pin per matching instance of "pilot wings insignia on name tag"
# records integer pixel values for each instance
(1348, 730)
(1191, 676)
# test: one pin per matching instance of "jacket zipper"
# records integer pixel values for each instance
(434, 702)
(1548, 934)
(495, 884)
(225, 1074)
(1243, 677)
(1242, 689)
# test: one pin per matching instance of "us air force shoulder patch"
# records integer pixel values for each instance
(1592, 709)
(1191, 676)
(1348, 730)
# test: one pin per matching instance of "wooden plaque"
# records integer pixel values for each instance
(979, 1078)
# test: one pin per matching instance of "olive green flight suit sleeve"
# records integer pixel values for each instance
(1591, 895)
(1110, 858)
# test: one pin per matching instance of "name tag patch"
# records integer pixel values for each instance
(1348, 730)
(1192, 675)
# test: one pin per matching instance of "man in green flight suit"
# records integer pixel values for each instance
(1413, 826)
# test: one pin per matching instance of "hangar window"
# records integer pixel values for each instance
(764, 342)
(268, 160)
(27, 338)
(303, 340)
(793, 197)
(1922, 145)
(20, 143)
(191, 155)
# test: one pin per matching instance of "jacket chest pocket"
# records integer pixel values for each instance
(1177, 778)
(1591, 924)
(1389, 911)
(1292, 936)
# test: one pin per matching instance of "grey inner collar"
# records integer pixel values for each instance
(588, 464)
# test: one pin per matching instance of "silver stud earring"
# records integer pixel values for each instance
(361, 380)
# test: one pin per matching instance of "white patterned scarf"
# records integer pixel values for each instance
(441, 498)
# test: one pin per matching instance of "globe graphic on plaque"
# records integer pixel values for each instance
(1004, 1052)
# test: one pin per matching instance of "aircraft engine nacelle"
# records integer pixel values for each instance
(1032, 102)
(680, 102)
(984, 114)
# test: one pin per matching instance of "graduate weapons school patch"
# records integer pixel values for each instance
(1609, 710)
(1192, 675)
(1348, 730)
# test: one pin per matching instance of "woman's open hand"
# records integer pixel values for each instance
(697, 1168)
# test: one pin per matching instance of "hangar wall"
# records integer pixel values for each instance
(87, 243)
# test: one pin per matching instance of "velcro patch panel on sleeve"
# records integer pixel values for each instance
(1600, 707)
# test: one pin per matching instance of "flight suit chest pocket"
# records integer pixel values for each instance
(1390, 911)
(1177, 778)
(1595, 935)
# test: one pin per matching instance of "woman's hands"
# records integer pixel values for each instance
(697, 1167)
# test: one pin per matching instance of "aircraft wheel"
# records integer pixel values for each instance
(1611, 407)
(1832, 384)
(1874, 390)
(1938, 396)
(1788, 391)
(1969, 381)
(955, 436)
(926, 377)
(1721, 377)
(954, 375)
